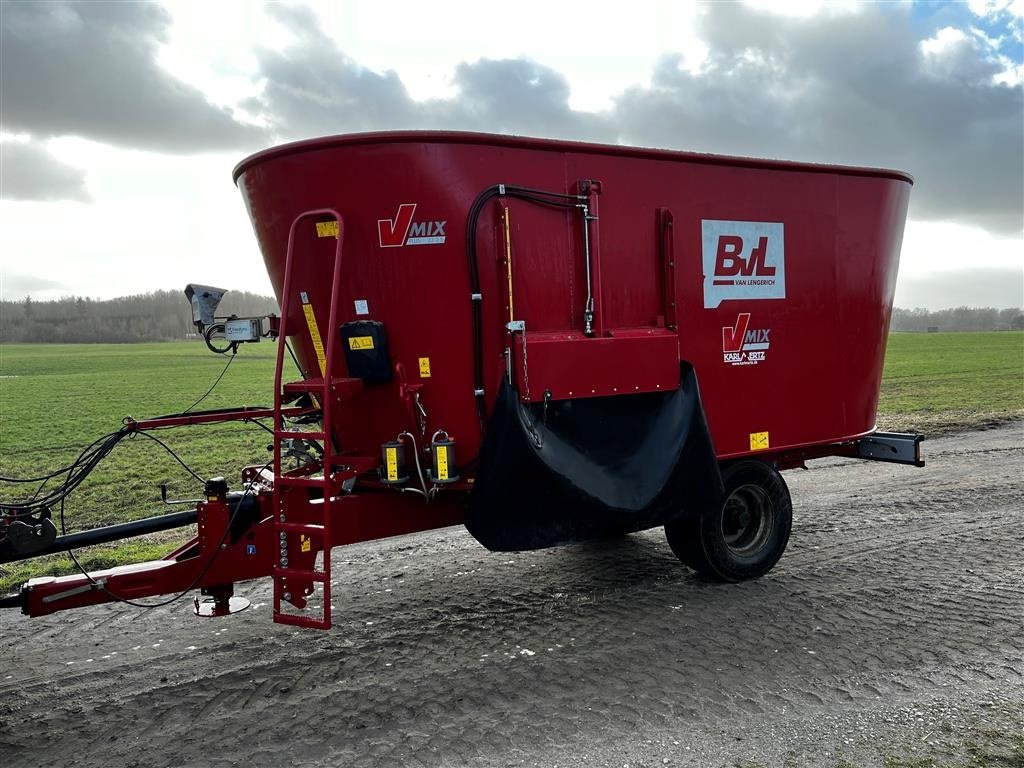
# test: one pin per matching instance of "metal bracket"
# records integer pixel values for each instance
(98, 584)
(894, 447)
(172, 502)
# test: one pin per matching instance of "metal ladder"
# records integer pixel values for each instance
(290, 582)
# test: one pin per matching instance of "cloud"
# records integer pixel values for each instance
(851, 89)
(89, 69)
(14, 285)
(963, 287)
(846, 88)
(313, 88)
(29, 172)
(518, 96)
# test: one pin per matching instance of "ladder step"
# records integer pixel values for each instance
(310, 528)
(298, 573)
(301, 482)
(282, 434)
(297, 620)
(305, 385)
(317, 384)
(323, 392)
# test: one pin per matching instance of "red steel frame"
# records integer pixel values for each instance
(213, 564)
(309, 511)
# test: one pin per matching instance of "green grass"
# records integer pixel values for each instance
(56, 399)
(934, 382)
(92, 559)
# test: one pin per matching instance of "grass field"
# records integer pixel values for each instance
(936, 382)
(56, 399)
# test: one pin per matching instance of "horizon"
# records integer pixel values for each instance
(270, 296)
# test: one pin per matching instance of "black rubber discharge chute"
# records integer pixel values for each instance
(591, 467)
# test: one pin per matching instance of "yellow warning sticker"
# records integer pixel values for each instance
(306, 543)
(758, 441)
(360, 342)
(424, 367)
(314, 334)
(391, 455)
(441, 452)
(327, 229)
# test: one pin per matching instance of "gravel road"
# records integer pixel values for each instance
(892, 630)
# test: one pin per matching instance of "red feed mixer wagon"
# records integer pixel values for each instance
(545, 341)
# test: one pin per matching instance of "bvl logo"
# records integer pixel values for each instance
(742, 260)
(742, 345)
(402, 230)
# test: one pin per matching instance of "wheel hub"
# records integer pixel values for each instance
(747, 519)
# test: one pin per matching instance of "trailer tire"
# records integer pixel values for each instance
(744, 534)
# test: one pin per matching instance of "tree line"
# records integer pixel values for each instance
(157, 316)
(167, 315)
(957, 319)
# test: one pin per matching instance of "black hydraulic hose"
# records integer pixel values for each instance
(75, 474)
(107, 534)
(537, 196)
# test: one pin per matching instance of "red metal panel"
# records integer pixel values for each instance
(492, 141)
(570, 365)
(811, 376)
(548, 271)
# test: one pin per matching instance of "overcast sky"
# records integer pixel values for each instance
(120, 122)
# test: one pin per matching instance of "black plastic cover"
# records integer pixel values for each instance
(591, 467)
(366, 350)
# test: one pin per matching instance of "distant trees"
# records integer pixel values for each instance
(166, 315)
(958, 319)
(158, 316)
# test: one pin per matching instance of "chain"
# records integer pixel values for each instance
(538, 441)
(526, 373)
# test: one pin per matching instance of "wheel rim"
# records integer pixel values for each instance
(747, 520)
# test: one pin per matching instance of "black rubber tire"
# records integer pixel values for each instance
(743, 535)
(684, 539)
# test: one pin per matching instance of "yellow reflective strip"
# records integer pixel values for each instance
(391, 455)
(314, 333)
(327, 229)
(508, 264)
(441, 452)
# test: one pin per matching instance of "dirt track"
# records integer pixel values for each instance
(894, 626)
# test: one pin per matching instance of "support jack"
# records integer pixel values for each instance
(219, 601)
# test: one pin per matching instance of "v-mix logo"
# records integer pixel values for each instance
(742, 345)
(403, 230)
